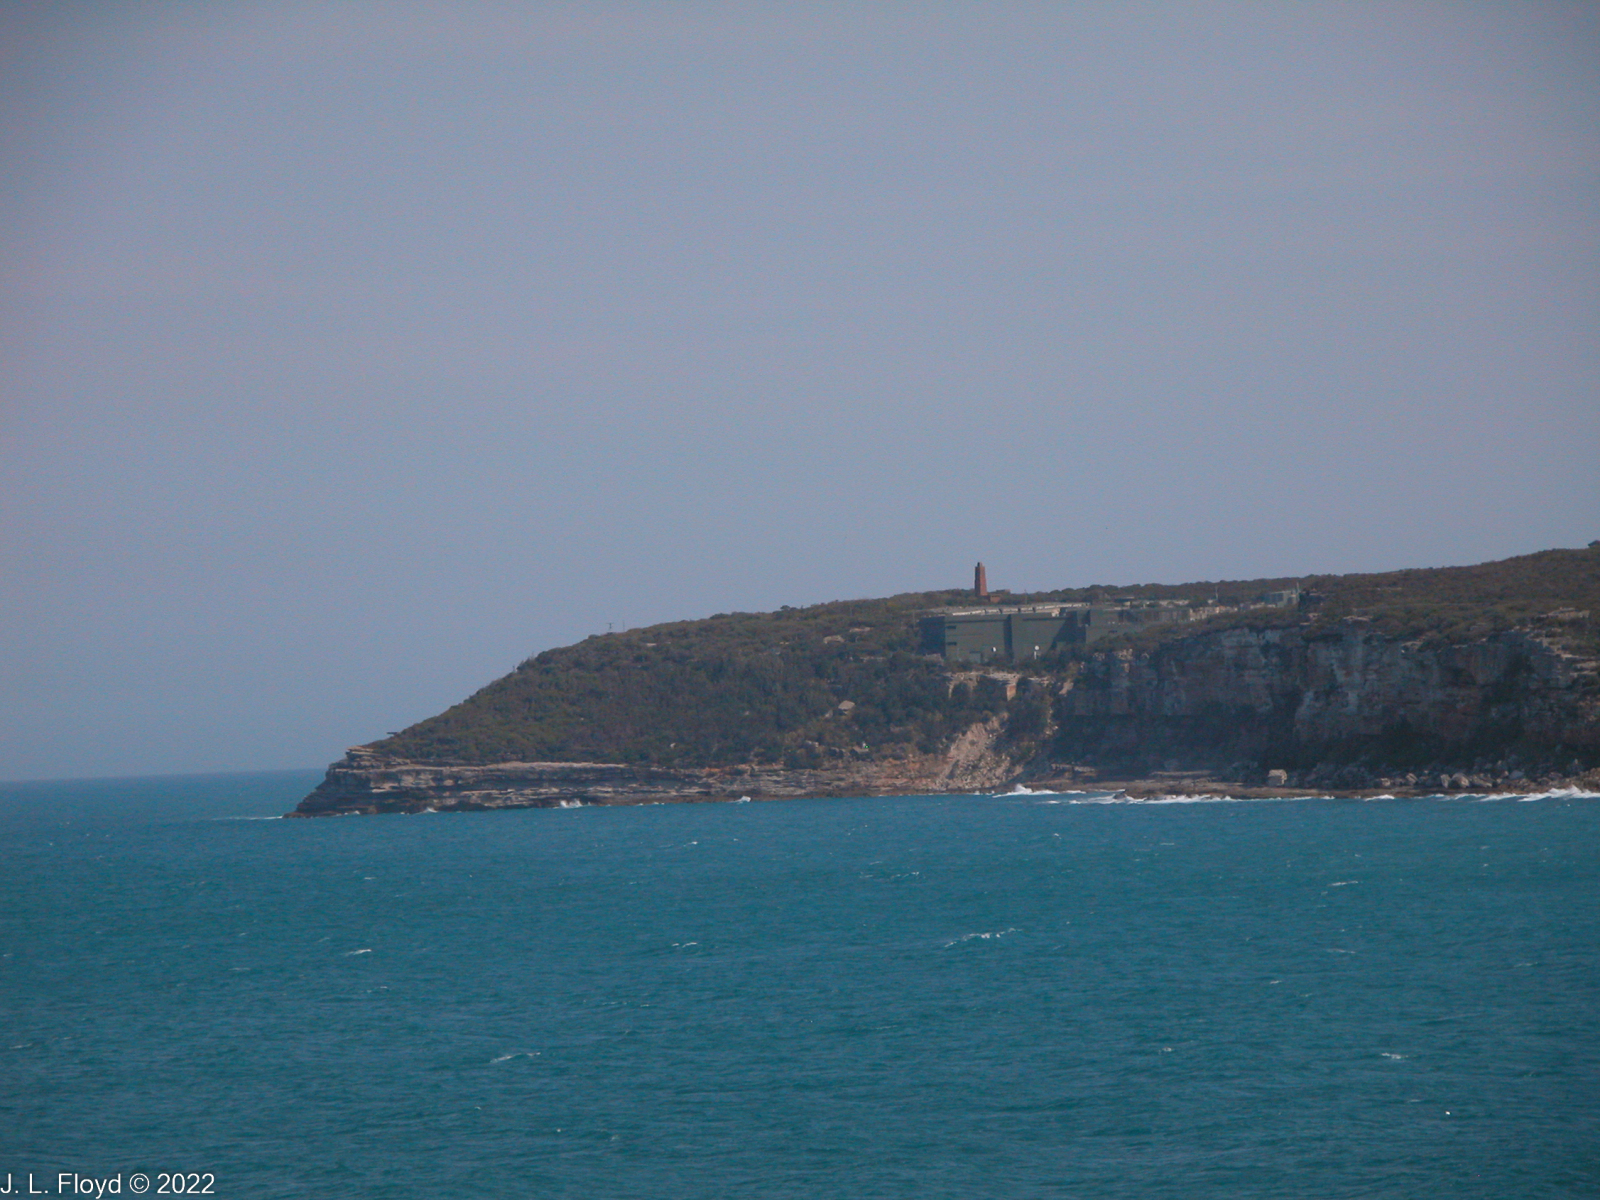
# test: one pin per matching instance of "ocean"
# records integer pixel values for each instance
(950, 996)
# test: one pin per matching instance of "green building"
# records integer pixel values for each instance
(1019, 631)
(985, 632)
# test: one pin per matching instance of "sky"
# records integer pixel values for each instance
(353, 352)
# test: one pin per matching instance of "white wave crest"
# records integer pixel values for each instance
(1566, 793)
(279, 817)
(1203, 798)
(967, 937)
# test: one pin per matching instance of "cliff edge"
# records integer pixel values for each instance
(1484, 677)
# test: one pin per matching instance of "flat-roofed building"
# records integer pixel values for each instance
(1026, 631)
(1017, 631)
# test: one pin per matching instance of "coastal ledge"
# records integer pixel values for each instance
(367, 783)
(1473, 680)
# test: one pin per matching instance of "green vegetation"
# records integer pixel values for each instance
(768, 687)
(736, 687)
(1557, 591)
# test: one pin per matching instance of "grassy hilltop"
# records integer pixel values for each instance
(768, 687)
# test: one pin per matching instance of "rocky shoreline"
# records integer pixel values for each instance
(366, 783)
(1321, 708)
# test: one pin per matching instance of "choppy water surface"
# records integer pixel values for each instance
(1023, 996)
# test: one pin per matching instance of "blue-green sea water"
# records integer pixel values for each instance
(1013, 997)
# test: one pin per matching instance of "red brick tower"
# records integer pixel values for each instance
(980, 582)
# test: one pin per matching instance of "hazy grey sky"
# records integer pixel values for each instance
(355, 351)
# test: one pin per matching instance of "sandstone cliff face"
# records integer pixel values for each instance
(1268, 697)
(1315, 689)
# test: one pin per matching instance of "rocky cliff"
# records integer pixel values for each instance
(1345, 695)
(1477, 676)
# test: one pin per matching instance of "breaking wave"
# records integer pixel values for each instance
(1568, 793)
(967, 937)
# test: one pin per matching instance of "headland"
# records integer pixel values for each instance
(1467, 679)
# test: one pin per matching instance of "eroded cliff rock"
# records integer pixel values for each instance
(1306, 693)
(366, 782)
(1449, 678)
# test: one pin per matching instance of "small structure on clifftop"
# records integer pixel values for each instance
(980, 583)
(994, 628)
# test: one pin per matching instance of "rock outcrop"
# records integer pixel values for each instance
(366, 782)
(1344, 691)
(1317, 705)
